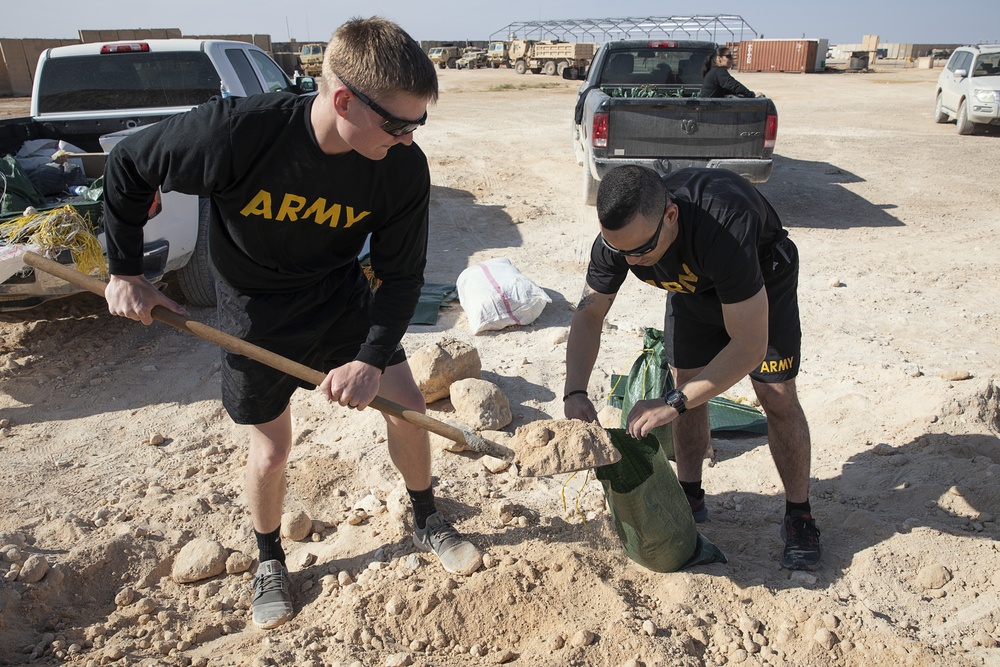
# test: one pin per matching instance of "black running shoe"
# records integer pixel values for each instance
(802, 550)
(699, 510)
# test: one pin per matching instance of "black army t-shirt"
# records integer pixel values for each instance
(722, 225)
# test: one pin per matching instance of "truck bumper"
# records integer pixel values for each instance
(754, 170)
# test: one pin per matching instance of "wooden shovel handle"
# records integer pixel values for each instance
(240, 346)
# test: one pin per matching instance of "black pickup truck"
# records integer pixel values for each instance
(639, 104)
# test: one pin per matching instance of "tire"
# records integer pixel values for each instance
(196, 279)
(520, 67)
(589, 187)
(535, 70)
(561, 67)
(452, 63)
(442, 65)
(940, 115)
(965, 126)
(549, 69)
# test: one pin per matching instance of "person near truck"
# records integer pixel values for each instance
(296, 185)
(718, 82)
(716, 246)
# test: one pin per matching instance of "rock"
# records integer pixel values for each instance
(144, 606)
(296, 525)
(504, 656)
(583, 638)
(125, 597)
(648, 628)
(836, 283)
(933, 577)
(883, 449)
(480, 404)
(411, 563)
(344, 578)
(33, 569)
(370, 504)
(238, 562)
(155, 439)
(395, 606)
(560, 336)
(437, 366)
(199, 559)
(953, 375)
(494, 465)
(399, 660)
(825, 638)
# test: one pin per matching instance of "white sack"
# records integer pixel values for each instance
(495, 295)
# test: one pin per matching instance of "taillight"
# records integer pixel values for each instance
(131, 47)
(770, 132)
(599, 136)
(663, 45)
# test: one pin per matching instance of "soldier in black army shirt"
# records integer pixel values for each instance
(717, 247)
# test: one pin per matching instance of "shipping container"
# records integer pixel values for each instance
(777, 55)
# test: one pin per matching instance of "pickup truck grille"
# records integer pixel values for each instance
(690, 129)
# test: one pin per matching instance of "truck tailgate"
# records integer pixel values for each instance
(687, 128)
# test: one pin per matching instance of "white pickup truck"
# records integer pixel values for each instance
(92, 95)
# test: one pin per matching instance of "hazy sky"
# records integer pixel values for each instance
(845, 21)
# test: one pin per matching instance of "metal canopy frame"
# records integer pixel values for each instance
(606, 30)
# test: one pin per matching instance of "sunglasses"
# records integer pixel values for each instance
(393, 126)
(644, 249)
(728, 56)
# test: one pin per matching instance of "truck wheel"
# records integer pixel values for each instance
(442, 65)
(589, 188)
(197, 278)
(549, 69)
(452, 63)
(965, 126)
(940, 115)
(535, 70)
(520, 67)
(561, 67)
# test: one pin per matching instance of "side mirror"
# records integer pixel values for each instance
(574, 74)
(305, 84)
(961, 73)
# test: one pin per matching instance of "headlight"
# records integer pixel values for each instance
(984, 95)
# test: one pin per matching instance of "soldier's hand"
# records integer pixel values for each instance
(578, 406)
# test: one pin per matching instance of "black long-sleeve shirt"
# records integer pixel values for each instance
(720, 83)
(287, 215)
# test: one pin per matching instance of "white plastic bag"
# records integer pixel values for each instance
(495, 295)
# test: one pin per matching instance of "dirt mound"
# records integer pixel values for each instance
(553, 446)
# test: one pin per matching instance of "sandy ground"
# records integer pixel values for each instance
(897, 211)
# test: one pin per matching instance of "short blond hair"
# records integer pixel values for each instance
(378, 57)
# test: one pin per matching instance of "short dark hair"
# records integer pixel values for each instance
(626, 191)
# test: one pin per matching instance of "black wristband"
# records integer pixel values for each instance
(574, 393)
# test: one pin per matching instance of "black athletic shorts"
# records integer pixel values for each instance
(694, 331)
(322, 327)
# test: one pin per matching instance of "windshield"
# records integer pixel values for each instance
(434, 52)
(106, 82)
(988, 64)
(655, 67)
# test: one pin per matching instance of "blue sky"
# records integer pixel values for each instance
(845, 21)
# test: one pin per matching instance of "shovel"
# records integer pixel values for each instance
(466, 437)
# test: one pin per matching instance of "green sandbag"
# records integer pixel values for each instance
(651, 515)
(16, 191)
(648, 379)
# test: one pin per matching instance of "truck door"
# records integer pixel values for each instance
(244, 71)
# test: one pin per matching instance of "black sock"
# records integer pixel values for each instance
(269, 546)
(693, 489)
(423, 506)
(800, 507)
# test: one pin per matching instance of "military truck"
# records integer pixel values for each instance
(496, 54)
(446, 55)
(311, 59)
(550, 57)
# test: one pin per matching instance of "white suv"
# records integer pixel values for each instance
(968, 89)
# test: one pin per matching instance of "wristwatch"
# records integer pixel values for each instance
(677, 400)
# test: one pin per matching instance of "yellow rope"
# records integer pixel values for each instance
(59, 229)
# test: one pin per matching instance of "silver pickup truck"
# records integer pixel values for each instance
(639, 104)
(90, 96)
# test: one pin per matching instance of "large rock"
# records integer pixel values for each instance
(296, 525)
(33, 569)
(436, 366)
(480, 404)
(199, 559)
